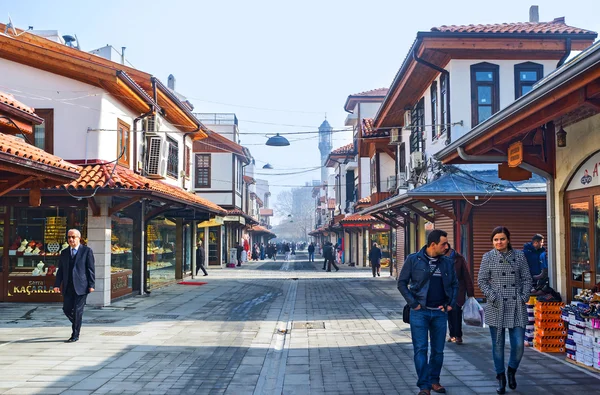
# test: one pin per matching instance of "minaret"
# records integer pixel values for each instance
(325, 131)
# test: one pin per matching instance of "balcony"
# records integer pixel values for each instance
(217, 118)
(379, 197)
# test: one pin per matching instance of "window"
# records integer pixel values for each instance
(43, 135)
(373, 174)
(239, 175)
(434, 111)
(484, 92)
(173, 158)
(202, 170)
(417, 142)
(443, 102)
(402, 159)
(122, 143)
(187, 161)
(526, 75)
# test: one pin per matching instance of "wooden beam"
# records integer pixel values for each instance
(124, 204)
(465, 215)
(406, 217)
(594, 104)
(393, 218)
(156, 211)
(439, 208)
(16, 183)
(420, 213)
(388, 151)
(94, 206)
(507, 44)
(388, 220)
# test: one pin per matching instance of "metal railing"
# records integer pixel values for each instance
(217, 118)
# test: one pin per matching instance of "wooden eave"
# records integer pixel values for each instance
(175, 115)
(437, 50)
(581, 91)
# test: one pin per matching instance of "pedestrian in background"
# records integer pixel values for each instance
(286, 251)
(311, 252)
(77, 277)
(428, 283)
(465, 287)
(375, 259)
(505, 281)
(240, 254)
(200, 259)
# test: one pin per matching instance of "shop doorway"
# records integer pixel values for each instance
(4, 262)
(583, 240)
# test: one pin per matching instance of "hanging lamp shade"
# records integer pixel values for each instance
(268, 166)
(277, 141)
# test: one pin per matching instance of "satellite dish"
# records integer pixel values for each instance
(10, 25)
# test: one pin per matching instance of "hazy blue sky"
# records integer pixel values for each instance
(300, 58)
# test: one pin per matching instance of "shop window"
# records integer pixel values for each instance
(173, 158)
(485, 95)
(123, 134)
(443, 102)
(202, 171)
(579, 237)
(434, 111)
(36, 237)
(43, 135)
(121, 265)
(526, 75)
(402, 158)
(160, 252)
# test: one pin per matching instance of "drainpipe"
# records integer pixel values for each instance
(550, 198)
(567, 52)
(446, 73)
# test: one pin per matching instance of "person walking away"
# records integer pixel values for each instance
(274, 250)
(429, 285)
(240, 252)
(311, 252)
(262, 251)
(331, 258)
(505, 281)
(375, 259)
(465, 286)
(200, 259)
(286, 250)
(77, 277)
(293, 248)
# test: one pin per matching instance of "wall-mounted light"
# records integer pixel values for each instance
(561, 137)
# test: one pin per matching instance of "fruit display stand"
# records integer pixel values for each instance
(550, 334)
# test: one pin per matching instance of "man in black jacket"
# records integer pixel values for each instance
(200, 259)
(76, 275)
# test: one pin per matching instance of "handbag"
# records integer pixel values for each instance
(406, 309)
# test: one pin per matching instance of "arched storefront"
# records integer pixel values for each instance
(582, 214)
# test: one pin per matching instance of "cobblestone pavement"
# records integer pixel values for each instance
(264, 328)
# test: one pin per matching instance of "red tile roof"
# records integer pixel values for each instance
(557, 26)
(261, 229)
(364, 201)
(102, 176)
(249, 180)
(373, 92)
(237, 211)
(357, 217)
(18, 147)
(368, 129)
(9, 100)
(346, 149)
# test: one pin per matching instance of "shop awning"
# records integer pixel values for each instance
(261, 229)
(216, 221)
(357, 220)
(237, 215)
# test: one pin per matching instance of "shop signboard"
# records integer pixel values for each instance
(235, 218)
(515, 154)
(587, 175)
(32, 289)
(380, 227)
(121, 283)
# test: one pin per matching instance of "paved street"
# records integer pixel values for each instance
(265, 328)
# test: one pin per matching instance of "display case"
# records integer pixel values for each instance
(160, 252)
(121, 261)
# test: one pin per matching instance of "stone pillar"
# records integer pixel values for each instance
(98, 235)
(367, 248)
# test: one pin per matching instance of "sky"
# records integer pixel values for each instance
(280, 66)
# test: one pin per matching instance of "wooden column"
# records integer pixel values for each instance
(179, 248)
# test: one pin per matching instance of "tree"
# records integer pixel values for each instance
(297, 207)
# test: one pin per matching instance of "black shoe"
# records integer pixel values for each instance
(328, 270)
(512, 382)
(206, 274)
(501, 383)
(337, 270)
(72, 340)
(238, 265)
(378, 275)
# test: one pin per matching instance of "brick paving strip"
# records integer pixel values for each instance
(344, 335)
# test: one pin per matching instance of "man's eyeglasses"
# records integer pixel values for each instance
(72, 237)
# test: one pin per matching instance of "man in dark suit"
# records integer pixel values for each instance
(200, 259)
(77, 276)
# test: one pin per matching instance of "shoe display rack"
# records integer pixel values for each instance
(583, 334)
(530, 328)
(550, 332)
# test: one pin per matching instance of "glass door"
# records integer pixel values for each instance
(580, 268)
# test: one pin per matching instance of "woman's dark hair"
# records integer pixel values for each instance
(502, 229)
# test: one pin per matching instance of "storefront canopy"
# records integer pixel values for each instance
(258, 229)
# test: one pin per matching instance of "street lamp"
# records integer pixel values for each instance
(277, 141)
(268, 166)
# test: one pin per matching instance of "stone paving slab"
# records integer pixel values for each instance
(225, 333)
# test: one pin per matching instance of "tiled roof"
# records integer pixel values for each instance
(373, 92)
(102, 176)
(368, 129)
(261, 229)
(557, 26)
(357, 217)
(18, 147)
(9, 100)
(249, 180)
(346, 149)
(364, 201)
(237, 211)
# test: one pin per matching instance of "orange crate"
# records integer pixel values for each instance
(549, 341)
(540, 315)
(548, 348)
(549, 324)
(543, 332)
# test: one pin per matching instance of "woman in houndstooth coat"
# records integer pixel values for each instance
(505, 281)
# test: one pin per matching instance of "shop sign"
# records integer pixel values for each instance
(515, 154)
(28, 288)
(235, 218)
(216, 221)
(380, 227)
(588, 175)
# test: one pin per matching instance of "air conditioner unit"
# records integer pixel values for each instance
(402, 180)
(417, 159)
(152, 124)
(391, 183)
(158, 152)
(407, 118)
(395, 136)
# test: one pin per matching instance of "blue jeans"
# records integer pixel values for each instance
(517, 341)
(426, 323)
(311, 256)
